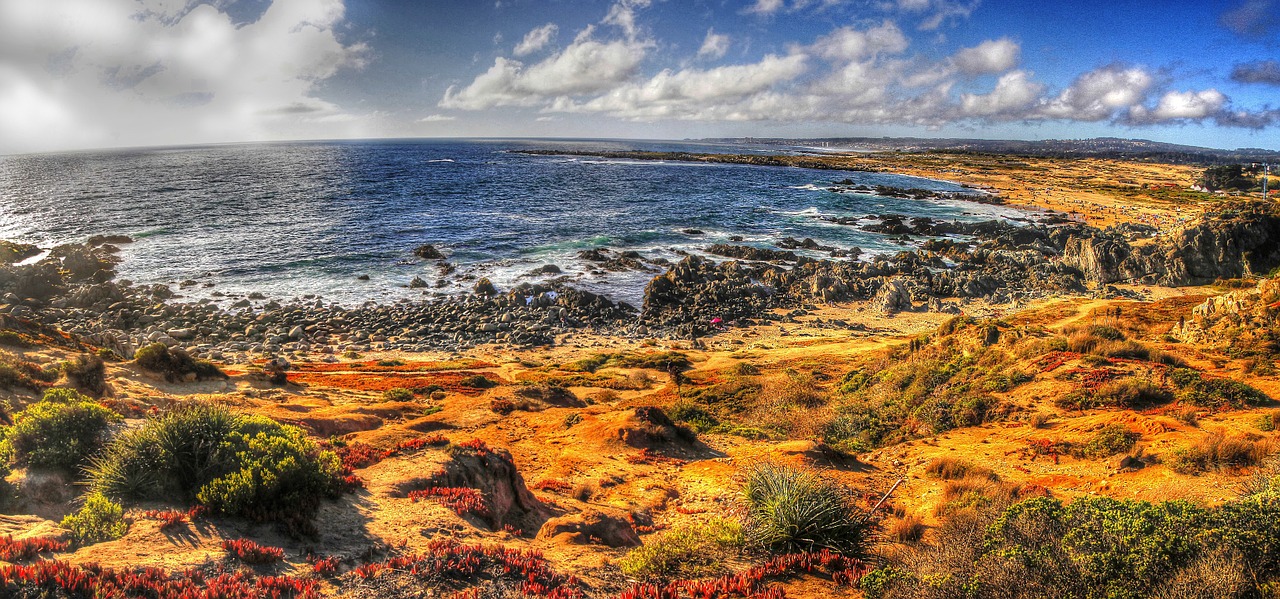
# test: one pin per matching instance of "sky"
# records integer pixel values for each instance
(78, 74)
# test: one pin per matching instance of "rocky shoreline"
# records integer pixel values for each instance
(74, 287)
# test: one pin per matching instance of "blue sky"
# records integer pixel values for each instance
(102, 73)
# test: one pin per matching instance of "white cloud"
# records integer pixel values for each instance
(132, 73)
(847, 43)
(1099, 94)
(991, 56)
(714, 46)
(937, 12)
(623, 15)
(1013, 94)
(1176, 105)
(586, 66)
(536, 40)
(766, 7)
(690, 92)
(437, 118)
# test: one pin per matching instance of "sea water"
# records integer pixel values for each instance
(309, 218)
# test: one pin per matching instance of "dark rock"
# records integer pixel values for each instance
(484, 287)
(428, 252)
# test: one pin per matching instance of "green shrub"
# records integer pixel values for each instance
(12, 339)
(88, 372)
(1109, 441)
(477, 381)
(60, 431)
(694, 417)
(1094, 548)
(1215, 393)
(397, 394)
(793, 509)
(98, 520)
(175, 364)
(689, 551)
(248, 466)
(1132, 393)
(28, 375)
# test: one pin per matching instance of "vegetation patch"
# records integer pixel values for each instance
(61, 431)
(690, 551)
(795, 509)
(1109, 441)
(98, 520)
(176, 365)
(249, 466)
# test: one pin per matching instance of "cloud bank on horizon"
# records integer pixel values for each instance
(98, 73)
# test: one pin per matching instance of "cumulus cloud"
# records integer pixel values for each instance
(849, 44)
(865, 76)
(714, 46)
(536, 39)
(588, 65)
(991, 56)
(1099, 94)
(80, 73)
(1014, 93)
(1189, 104)
(690, 93)
(1261, 71)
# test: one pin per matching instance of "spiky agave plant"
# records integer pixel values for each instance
(793, 509)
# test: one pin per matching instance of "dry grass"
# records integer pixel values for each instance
(954, 469)
(1217, 451)
(906, 530)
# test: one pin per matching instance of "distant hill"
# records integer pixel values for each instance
(1101, 147)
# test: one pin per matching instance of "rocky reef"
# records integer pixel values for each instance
(74, 287)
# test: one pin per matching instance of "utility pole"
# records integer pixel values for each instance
(1266, 173)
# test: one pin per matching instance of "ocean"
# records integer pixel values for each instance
(298, 219)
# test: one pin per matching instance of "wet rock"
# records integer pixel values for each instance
(484, 287)
(428, 252)
(417, 283)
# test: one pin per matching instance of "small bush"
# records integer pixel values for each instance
(1039, 419)
(98, 520)
(175, 364)
(793, 509)
(477, 381)
(1215, 393)
(12, 339)
(60, 431)
(1129, 393)
(397, 394)
(248, 466)
(694, 417)
(1109, 441)
(690, 551)
(88, 372)
(572, 419)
